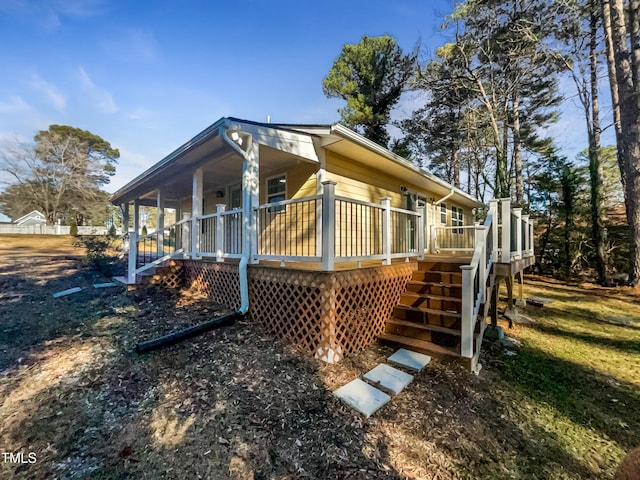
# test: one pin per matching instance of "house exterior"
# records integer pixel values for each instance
(32, 218)
(314, 229)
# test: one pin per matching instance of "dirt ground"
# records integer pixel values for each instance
(231, 403)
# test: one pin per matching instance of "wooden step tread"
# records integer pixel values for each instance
(429, 310)
(432, 296)
(434, 284)
(418, 344)
(423, 326)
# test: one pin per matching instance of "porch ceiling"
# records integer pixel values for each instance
(221, 166)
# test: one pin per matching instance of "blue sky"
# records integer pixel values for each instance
(147, 76)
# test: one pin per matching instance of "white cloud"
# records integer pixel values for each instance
(100, 97)
(15, 104)
(49, 13)
(49, 91)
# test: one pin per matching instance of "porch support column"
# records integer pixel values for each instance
(250, 187)
(160, 223)
(196, 210)
(136, 216)
(124, 208)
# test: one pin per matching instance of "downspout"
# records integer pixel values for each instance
(246, 141)
(446, 197)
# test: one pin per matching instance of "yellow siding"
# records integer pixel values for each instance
(301, 181)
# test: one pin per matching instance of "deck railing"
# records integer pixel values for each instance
(220, 234)
(453, 239)
(154, 248)
(289, 230)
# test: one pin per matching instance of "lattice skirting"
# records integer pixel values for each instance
(220, 281)
(329, 314)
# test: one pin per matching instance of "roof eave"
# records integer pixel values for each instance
(348, 134)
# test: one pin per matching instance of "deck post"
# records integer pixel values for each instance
(421, 239)
(386, 230)
(518, 213)
(466, 331)
(220, 208)
(196, 210)
(328, 225)
(506, 230)
(133, 256)
(493, 211)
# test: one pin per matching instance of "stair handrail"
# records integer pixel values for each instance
(474, 280)
(134, 241)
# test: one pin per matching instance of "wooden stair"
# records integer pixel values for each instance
(428, 318)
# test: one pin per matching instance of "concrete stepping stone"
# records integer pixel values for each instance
(539, 301)
(411, 360)
(69, 291)
(362, 397)
(388, 378)
(105, 285)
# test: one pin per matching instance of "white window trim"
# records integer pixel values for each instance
(266, 185)
(230, 188)
(457, 215)
(446, 213)
(281, 208)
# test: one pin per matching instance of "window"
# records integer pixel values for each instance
(235, 197)
(277, 191)
(457, 219)
(443, 213)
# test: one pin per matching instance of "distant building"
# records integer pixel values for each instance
(33, 218)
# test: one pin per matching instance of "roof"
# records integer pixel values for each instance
(35, 214)
(329, 136)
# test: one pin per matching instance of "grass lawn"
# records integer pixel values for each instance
(234, 403)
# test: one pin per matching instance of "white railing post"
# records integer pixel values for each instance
(466, 331)
(421, 239)
(220, 208)
(506, 230)
(186, 235)
(386, 230)
(480, 238)
(531, 237)
(328, 225)
(493, 211)
(525, 234)
(133, 257)
(518, 214)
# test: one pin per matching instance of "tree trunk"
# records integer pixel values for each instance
(630, 125)
(517, 151)
(596, 170)
(613, 84)
(455, 164)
